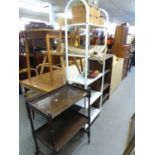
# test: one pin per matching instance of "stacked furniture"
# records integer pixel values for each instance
(79, 14)
(30, 36)
(107, 77)
(120, 47)
(86, 24)
(121, 34)
(131, 41)
(63, 121)
(117, 71)
(122, 51)
(55, 78)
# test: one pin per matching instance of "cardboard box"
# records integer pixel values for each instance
(101, 21)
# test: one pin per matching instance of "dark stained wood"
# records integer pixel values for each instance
(65, 128)
(122, 51)
(39, 33)
(105, 97)
(63, 122)
(95, 65)
(107, 71)
(106, 85)
(58, 101)
(121, 33)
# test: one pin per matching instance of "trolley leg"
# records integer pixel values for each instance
(54, 153)
(89, 133)
(33, 115)
(32, 127)
(50, 121)
(36, 153)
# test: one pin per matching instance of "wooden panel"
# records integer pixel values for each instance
(116, 75)
(95, 65)
(22, 61)
(28, 57)
(79, 15)
(122, 51)
(65, 128)
(118, 35)
(49, 54)
(43, 83)
(121, 33)
(59, 100)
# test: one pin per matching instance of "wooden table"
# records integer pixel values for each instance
(43, 83)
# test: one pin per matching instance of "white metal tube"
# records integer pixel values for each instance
(87, 39)
(86, 54)
(102, 84)
(66, 35)
(105, 42)
(106, 15)
(86, 45)
(106, 25)
(66, 45)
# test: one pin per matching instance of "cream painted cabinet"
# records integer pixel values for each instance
(117, 71)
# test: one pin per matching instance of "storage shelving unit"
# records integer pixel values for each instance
(107, 77)
(108, 62)
(63, 121)
(96, 94)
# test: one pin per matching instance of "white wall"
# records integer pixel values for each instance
(35, 11)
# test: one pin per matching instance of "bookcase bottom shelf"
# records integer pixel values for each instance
(94, 96)
(105, 97)
(94, 112)
(79, 79)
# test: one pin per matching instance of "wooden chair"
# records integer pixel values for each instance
(75, 41)
(29, 94)
(59, 52)
(40, 67)
(25, 70)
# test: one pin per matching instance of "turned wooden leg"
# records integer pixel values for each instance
(81, 65)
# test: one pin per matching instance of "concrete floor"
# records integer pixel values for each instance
(108, 133)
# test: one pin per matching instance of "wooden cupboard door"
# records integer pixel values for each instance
(117, 71)
(121, 33)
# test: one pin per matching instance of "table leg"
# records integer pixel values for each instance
(27, 50)
(81, 64)
(75, 62)
(43, 64)
(49, 54)
(62, 61)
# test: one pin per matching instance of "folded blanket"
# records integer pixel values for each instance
(91, 50)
